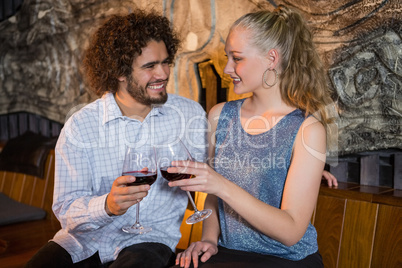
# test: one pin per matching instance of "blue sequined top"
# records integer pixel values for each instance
(258, 164)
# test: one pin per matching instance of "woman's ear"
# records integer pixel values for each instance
(273, 58)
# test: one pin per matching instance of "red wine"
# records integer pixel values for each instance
(173, 176)
(141, 177)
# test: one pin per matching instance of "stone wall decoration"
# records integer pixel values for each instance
(40, 54)
(369, 87)
(359, 41)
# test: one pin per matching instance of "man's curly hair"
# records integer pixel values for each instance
(117, 43)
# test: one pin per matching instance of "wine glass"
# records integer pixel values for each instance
(177, 151)
(143, 167)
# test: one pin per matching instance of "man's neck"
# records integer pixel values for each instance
(130, 107)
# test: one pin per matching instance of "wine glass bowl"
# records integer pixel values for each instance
(141, 177)
(173, 176)
(143, 167)
(177, 151)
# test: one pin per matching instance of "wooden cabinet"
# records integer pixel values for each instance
(359, 226)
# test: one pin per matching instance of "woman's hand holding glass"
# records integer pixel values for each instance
(204, 178)
(167, 155)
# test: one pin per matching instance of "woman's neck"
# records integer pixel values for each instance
(267, 100)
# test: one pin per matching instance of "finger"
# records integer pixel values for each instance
(123, 181)
(118, 204)
(195, 255)
(182, 260)
(124, 200)
(187, 257)
(132, 203)
(182, 170)
(178, 258)
(189, 188)
(206, 256)
(188, 254)
(189, 164)
(180, 183)
(134, 197)
(331, 180)
(188, 262)
(334, 181)
(133, 189)
(199, 249)
(208, 252)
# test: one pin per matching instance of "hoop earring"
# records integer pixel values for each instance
(276, 77)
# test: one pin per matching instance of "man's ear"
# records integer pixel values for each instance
(121, 79)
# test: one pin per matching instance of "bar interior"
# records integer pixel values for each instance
(359, 223)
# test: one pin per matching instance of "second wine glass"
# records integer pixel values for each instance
(177, 151)
(143, 167)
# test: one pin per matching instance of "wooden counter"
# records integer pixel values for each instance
(359, 226)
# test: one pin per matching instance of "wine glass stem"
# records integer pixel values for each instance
(137, 218)
(192, 201)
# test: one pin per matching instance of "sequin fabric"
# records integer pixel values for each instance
(258, 164)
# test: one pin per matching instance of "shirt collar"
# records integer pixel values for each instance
(111, 110)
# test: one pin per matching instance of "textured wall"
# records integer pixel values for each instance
(359, 41)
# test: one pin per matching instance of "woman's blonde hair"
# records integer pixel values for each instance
(303, 82)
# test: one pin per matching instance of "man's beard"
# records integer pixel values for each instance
(140, 93)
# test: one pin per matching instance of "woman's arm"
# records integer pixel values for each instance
(211, 229)
(208, 245)
(287, 224)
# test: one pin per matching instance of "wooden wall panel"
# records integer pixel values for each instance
(357, 235)
(31, 190)
(39, 192)
(191, 232)
(197, 228)
(387, 250)
(27, 196)
(186, 231)
(47, 200)
(15, 191)
(5, 185)
(329, 222)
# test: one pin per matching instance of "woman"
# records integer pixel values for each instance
(268, 150)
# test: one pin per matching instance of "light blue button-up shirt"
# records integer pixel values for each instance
(89, 157)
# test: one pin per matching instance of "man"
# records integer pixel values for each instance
(128, 64)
